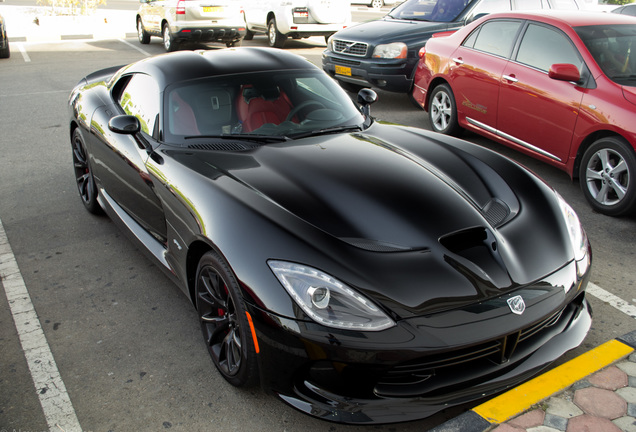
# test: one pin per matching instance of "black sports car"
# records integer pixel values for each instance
(362, 272)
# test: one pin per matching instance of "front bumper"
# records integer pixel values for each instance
(386, 74)
(423, 364)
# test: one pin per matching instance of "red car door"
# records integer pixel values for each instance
(535, 111)
(480, 61)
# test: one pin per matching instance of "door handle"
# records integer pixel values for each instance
(458, 60)
(510, 78)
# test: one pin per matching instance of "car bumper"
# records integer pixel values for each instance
(412, 371)
(310, 29)
(208, 34)
(389, 75)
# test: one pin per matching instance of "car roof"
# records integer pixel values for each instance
(567, 17)
(186, 65)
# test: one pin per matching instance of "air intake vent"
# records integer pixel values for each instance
(496, 212)
(374, 245)
(235, 146)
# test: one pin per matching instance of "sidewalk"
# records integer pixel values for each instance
(595, 392)
(39, 24)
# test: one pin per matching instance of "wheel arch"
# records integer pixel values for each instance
(586, 143)
(196, 250)
(434, 83)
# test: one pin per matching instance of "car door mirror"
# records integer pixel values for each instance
(124, 124)
(564, 72)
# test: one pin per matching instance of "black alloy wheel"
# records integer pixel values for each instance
(224, 323)
(83, 175)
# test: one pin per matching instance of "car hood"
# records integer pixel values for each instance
(442, 214)
(390, 30)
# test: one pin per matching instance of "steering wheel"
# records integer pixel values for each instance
(300, 106)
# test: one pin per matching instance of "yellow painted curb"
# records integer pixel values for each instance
(519, 399)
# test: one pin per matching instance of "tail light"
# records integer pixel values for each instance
(181, 7)
(422, 52)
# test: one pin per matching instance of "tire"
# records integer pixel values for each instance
(376, 4)
(5, 52)
(608, 176)
(142, 34)
(224, 323)
(249, 35)
(235, 43)
(169, 43)
(442, 111)
(84, 175)
(276, 38)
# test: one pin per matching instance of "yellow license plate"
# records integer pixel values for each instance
(343, 70)
(213, 9)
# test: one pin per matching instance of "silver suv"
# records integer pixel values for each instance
(178, 21)
(295, 18)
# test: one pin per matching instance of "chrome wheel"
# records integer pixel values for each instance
(607, 175)
(442, 112)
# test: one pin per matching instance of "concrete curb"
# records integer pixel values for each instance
(515, 401)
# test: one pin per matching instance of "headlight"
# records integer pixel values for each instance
(327, 300)
(395, 50)
(578, 238)
(330, 43)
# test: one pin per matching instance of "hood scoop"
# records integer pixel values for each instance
(476, 251)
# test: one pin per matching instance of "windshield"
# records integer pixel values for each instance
(270, 106)
(613, 48)
(430, 10)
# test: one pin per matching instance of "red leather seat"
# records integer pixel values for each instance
(255, 107)
(182, 118)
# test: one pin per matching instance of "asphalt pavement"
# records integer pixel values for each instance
(593, 392)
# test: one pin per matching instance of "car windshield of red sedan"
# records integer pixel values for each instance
(614, 49)
(430, 10)
(277, 105)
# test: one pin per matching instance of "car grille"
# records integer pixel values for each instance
(423, 375)
(357, 49)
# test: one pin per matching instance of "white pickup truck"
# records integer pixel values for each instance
(281, 19)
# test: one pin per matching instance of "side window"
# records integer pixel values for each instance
(533, 52)
(140, 98)
(496, 37)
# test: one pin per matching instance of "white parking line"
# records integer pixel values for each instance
(55, 401)
(611, 299)
(147, 54)
(22, 50)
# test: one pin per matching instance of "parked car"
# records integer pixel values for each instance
(383, 53)
(297, 19)
(361, 272)
(571, 106)
(376, 4)
(179, 21)
(5, 51)
(628, 9)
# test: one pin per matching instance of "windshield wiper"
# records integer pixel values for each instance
(246, 137)
(349, 128)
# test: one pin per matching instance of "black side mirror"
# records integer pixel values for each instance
(124, 124)
(366, 97)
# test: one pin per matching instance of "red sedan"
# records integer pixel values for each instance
(559, 86)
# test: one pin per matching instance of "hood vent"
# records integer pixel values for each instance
(233, 146)
(496, 212)
(374, 245)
